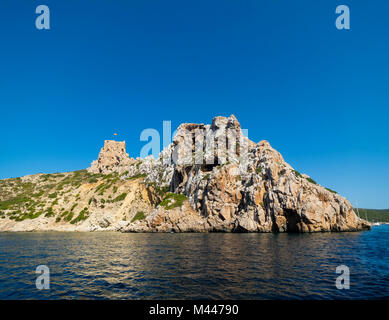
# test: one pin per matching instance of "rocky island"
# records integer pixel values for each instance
(211, 178)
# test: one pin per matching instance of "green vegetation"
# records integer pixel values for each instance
(139, 216)
(35, 215)
(297, 174)
(124, 174)
(311, 180)
(173, 200)
(67, 215)
(38, 195)
(258, 170)
(83, 215)
(110, 181)
(30, 215)
(138, 176)
(50, 212)
(374, 215)
(110, 176)
(79, 177)
(206, 177)
(120, 198)
(46, 177)
(100, 187)
(60, 186)
(60, 197)
(160, 190)
(29, 198)
(331, 190)
(9, 204)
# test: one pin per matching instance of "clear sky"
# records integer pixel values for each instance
(317, 94)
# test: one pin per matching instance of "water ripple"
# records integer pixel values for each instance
(195, 266)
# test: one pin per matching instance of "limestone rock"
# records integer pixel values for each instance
(181, 219)
(112, 158)
(236, 185)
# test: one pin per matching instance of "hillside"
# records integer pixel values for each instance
(374, 215)
(63, 201)
(211, 178)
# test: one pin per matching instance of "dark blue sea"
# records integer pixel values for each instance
(195, 266)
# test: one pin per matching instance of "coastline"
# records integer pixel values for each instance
(252, 190)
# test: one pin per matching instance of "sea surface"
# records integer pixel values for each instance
(111, 265)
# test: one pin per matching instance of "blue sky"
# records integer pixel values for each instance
(318, 95)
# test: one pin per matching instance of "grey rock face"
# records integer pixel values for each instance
(112, 158)
(233, 184)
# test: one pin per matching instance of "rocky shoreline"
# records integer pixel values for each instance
(211, 178)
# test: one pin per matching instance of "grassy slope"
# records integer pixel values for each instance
(374, 215)
(56, 195)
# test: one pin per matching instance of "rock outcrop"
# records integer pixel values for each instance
(211, 178)
(112, 158)
(234, 185)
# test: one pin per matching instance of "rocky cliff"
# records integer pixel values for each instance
(211, 178)
(112, 158)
